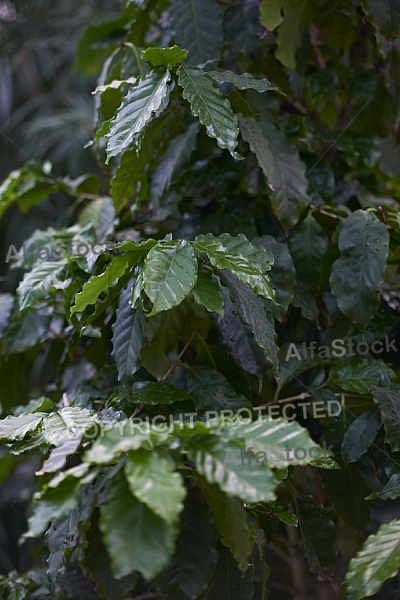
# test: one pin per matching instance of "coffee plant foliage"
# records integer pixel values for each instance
(236, 251)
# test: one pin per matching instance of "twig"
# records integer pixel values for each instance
(178, 358)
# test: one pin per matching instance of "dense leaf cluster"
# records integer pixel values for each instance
(237, 257)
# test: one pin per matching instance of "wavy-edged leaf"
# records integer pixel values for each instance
(212, 109)
(136, 538)
(376, 562)
(225, 464)
(213, 392)
(164, 56)
(17, 428)
(160, 392)
(358, 273)
(59, 455)
(247, 262)
(153, 481)
(253, 311)
(169, 274)
(246, 81)
(318, 534)
(208, 292)
(359, 374)
(384, 15)
(390, 491)
(232, 522)
(360, 435)
(238, 338)
(198, 27)
(389, 401)
(114, 271)
(281, 164)
(38, 284)
(129, 337)
(136, 110)
(173, 162)
(276, 439)
(62, 425)
(191, 567)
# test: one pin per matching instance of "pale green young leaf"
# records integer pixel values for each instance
(164, 56)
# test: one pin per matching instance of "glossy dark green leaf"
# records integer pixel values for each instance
(389, 402)
(136, 110)
(359, 374)
(360, 435)
(281, 164)
(173, 162)
(190, 569)
(198, 27)
(213, 392)
(228, 582)
(129, 337)
(244, 81)
(211, 108)
(38, 284)
(358, 273)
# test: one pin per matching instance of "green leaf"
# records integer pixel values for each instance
(59, 455)
(288, 518)
(385, 16)
(358, 273)
(17, 428)
(39, 283)
(136, 110)
(247, 262)
(232, 522)
(6, 306)
(318, 534)
(246, 81)
(60, 426)
(133, 170)
(390, 491)
(188, 573)
(253, 311)
(282, 275)
(389, 401)
(271, 13)
(359, 374)
(58, 499)
(207, 292)
(136, 538)
(152, 480)
(281, 164)
(213, 392)
(170, 272)
(228, 581)
(198, 27)
(376, 562)
(238, 338)
(172, 164)
(213, 110)
(276, 441)
(224, 464)
(25, 331)
(308, 243)
(164, 56)
(114, 271)
(154, 393)
(129, 337)
(360, 435)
